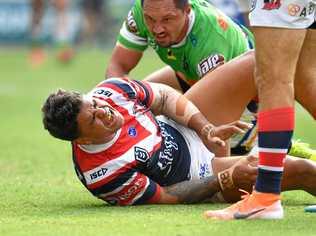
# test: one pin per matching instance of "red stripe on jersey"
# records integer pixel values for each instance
(271, 159)
(129, 192)
(280, 119)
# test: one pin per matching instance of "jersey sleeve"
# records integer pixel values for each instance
(116, 181)
(138, 189)
(144, 91)
(140, 91)
(133, 34)
(129, 188)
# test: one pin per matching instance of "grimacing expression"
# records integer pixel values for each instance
(98, 121)
(165, 21)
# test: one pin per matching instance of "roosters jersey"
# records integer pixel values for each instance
(144, 155)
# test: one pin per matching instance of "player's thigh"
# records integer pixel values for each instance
(277, 52)
(297, 172)
(165, 75)
(305, 79)
(223, 94)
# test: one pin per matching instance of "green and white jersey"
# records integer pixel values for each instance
(212, 39)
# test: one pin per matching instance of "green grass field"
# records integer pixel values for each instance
(40, 194)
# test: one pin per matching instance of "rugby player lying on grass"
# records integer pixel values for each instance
(124, 153)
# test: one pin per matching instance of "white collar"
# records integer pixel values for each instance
(191, 23)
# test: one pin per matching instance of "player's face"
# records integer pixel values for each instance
(165, 21)
(98, 121)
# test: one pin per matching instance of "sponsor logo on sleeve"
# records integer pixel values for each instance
(99, 173)
(271, 5)
(222, 23)
(293, 9)
(132, 190)
(204, 170)
(210, 63)
(103, 92)
(308, 10)
(131, 23)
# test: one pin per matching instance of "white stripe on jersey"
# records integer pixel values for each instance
(273, 150)
(132, 37)
(271, 168)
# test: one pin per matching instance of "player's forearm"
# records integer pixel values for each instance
(192, 191)
(115, 70)
(174, 105)
(122, 61)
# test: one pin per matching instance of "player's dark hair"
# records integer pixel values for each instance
(179, 3)
(60, 112)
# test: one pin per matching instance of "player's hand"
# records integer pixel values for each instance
(214, 137)
(242, 173)
(245, 171)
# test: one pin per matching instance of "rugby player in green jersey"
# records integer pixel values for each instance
(193, 38)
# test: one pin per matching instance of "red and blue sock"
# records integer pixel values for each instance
(275, 131)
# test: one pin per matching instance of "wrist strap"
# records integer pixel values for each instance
(225, 179)
(207, 130)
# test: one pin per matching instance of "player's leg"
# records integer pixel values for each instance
(223, 94)
(275, 78)
(305, 80)
(37, 55)
(165, 75)
(275, 71)
(62, 31)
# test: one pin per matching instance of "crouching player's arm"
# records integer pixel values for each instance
(169, 102)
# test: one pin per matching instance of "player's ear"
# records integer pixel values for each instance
(187, 8)
(83, 141)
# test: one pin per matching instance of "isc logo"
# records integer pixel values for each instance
(103, 92)
(98, 173)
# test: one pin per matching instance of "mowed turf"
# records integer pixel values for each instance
(40, 194)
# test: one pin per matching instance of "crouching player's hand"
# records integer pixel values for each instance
(214, 137)
(242, 173)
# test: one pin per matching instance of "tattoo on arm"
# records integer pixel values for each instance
(195, 190)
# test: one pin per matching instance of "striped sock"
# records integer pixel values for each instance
(275, 130)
